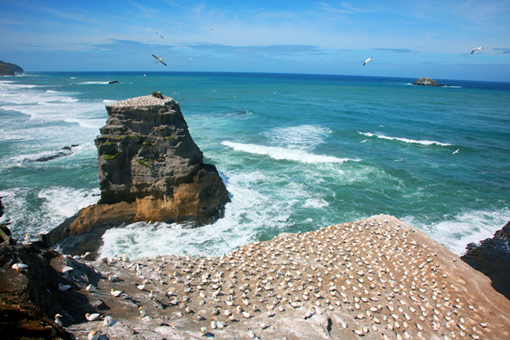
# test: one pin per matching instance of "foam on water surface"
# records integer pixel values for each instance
(405, 140)
(289, 154)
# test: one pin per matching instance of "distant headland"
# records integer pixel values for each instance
(8, 69)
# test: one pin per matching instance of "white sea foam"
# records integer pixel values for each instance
(57, 204)
(248, 214)
(405, 140)
(280, 153)
(315, 203)
(456, 232)
(94, 83)
(305, 137)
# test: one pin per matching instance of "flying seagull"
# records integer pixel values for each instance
(477, 48)
(159, 35)
(159, 59)
(366, 61)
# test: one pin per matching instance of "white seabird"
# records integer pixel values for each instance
(366, 61)
(57, 320)
(476, 48)
(20, 267)
(115, 293)
(108, 321)
(63, 287)
(92, 317)
(159, 60)
(456, 151)
(159, 35)
(94, 335)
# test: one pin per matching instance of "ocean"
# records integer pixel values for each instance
(296, 152)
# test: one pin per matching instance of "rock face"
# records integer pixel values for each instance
(29, 299)
(492, 257)
(424, 81)
(150, 169)
(8, 69)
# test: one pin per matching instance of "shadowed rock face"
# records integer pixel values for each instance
(150, 169)
(492, 257)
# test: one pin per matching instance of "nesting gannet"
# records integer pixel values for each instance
(20, 267)
(94, 335)
(476, 48)
(90, 288)
(57, 320)
(115, 293)
(159, 60)
(142, 311)
(366, 61)
(108, 321)
(92, 317)
(63, 288)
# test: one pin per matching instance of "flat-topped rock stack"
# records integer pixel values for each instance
(150, 169)
(372, 279)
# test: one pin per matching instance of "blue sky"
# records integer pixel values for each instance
(404, 38)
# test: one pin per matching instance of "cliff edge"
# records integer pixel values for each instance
(150, 169)
(492, 257)
(377, 278)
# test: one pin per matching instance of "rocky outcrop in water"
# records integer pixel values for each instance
(8, 69)
(492, 257)
(424, 81)
(150, 169)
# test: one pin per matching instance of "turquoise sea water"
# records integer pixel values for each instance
(297, 152)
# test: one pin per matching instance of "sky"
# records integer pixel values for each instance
(432, 38)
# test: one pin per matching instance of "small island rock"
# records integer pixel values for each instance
(424, 81)
(150, 169)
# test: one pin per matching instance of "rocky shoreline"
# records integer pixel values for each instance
(373, 279)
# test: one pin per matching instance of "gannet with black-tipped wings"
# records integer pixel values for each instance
(366, 61)
(476, 48)
(159, 60)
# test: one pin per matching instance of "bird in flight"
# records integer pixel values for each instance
(159, 59)
(477, 48)
(366, 61)
(456, 151)
(159, 35)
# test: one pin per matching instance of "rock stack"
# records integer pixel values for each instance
(150, 169)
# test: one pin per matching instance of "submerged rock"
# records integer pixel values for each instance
(65, 151)
(492, 257)
(150, 169)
